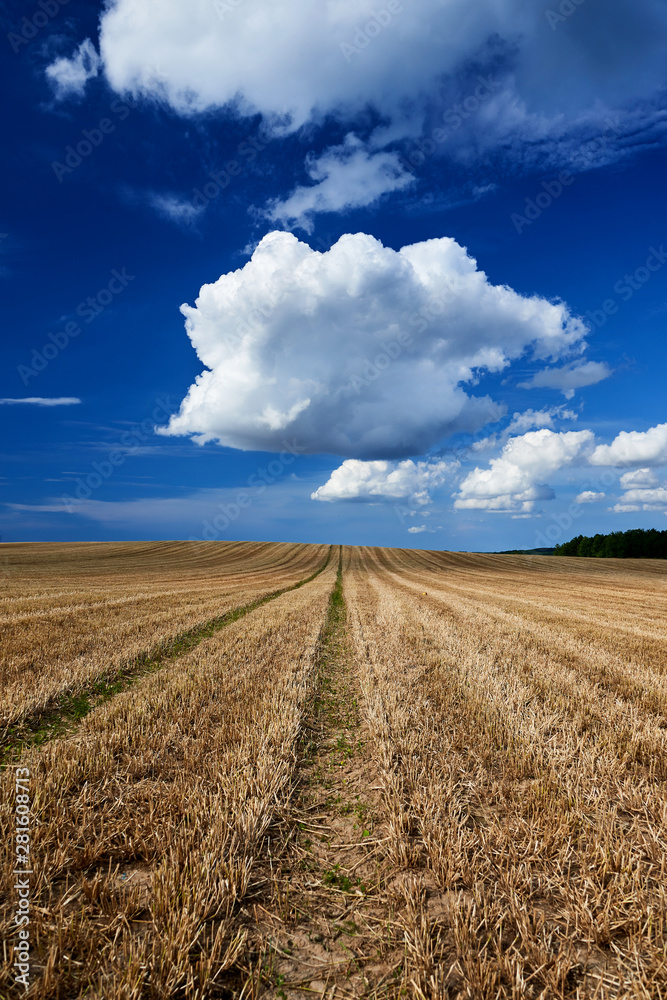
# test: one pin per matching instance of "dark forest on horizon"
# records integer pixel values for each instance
(637, 543)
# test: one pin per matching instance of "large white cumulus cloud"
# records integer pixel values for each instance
(289, 57)
(361, 351)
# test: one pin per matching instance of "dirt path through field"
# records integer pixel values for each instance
(321, 923)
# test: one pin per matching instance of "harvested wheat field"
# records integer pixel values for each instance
(286, 771)
(73, 618)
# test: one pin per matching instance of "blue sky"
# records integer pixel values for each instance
(420, 248)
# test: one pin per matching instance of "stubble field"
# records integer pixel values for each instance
(286, 770)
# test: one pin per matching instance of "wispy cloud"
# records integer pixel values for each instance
(347, 177)
(42, 401)
(569, 378)
(338, 61)
(70, 76)
(176, 209)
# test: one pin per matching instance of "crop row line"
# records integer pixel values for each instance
(69, 709)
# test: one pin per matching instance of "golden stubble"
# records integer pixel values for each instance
(524, 770)
(148, 819)
(513, 721)
(74, 615)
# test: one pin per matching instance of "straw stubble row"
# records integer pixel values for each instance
(173, 785)
(526, 802)
(55, 646)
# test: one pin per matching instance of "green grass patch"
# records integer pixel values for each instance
(339, 880)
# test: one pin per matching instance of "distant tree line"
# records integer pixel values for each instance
(634, 544)
(525, 552)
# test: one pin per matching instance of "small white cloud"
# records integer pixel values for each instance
(569, 378)
(588, 496)
(522, 422)
(347, 177)
(356, 480)
(525, 421)
(176, 209)
(643, 448)
(652, 496)
(624, 508)
(420, 529)
(42, 401)
(506, 503)
(515, 480)
(484, 444)
(642, 488)
(70, 76)
(639, 478)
